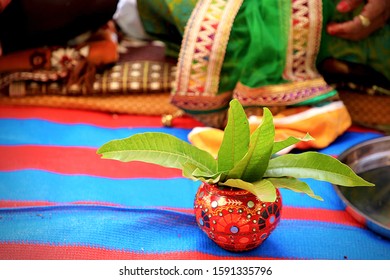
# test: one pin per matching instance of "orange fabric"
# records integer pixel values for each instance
(206, 138)
(324, 124)
(103, 46)
(103, 52)
(25, 60)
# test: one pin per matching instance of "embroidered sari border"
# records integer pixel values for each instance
(219, 47)
(203, 48)
(281, 95)
(185, 56)
(304, 40)
(314, 40)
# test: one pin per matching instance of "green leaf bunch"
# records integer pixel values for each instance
(245, 161)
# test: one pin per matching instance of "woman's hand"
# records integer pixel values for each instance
(373, 16)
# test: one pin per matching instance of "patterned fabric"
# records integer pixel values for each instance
(59, 200)
(73, 66)
(122, 78)
(304, 41)
(368, 110)
(138, 84)
(203, 48)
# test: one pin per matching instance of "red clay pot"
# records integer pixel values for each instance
(235, 219)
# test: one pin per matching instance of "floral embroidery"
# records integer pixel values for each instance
(38, 59)
(64, 58)
(67, 58)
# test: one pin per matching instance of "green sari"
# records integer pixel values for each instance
(263, 53)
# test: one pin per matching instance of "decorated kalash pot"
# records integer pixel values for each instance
(235, 219)
(238, 203)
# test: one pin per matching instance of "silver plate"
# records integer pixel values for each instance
(369, 205)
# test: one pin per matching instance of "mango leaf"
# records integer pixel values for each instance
(158, 148)
(280, 145)
(314, 165)
(205, 176)
(235, 141)
(252, 167)
(263, 189)
(187, 169)
(294, 185)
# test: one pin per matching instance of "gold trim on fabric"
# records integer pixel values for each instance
(155, 104)
(125, 75)
(166, 73)
(124, 78)
(202, 103)
(145, 76)
(203, 48)
(104, 84)
(304, 40)
(281, 95)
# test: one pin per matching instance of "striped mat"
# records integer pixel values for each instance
(59, 200)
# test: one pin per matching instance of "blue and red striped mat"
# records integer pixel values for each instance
(59, 200)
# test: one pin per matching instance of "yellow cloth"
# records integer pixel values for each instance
(324, 124)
